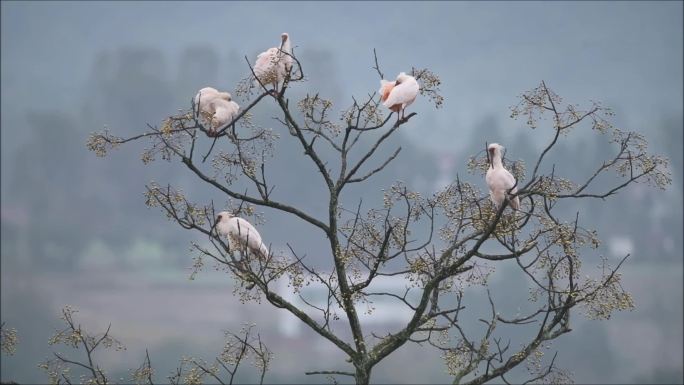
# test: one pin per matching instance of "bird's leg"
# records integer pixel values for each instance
(244, 270)
(247, 281)
(233, 134)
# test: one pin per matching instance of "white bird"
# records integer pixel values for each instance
(207, 100)
(273, 65)
(224, 113)
(241, 234)
(499, 179)
(399, 94)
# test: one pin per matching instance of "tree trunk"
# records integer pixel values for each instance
(362, 376)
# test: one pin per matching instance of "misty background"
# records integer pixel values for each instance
(75, 229)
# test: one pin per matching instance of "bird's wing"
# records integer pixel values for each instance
(284, 58)
(385, 89)
(263, 54)
(510, 180)
(264, 62)
(267, 57)
(404, 93)
(225, 112)
(220, 118)
(204, 92)
(218, 102)
(246, 232)
(236, 106)
(499, 181)
(489, 176)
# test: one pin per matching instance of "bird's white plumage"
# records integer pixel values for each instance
(403, 92)
(225, 96)
(224, 112)
(499, 180)
(216, 108)
(272, 65)
(204, 97)
(240, 234)
(385, 89)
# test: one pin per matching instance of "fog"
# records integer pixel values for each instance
(75, 229)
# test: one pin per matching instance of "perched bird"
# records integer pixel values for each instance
(399, 94)
(499, 179)
(273, 65)
(241, 234)
(207, 100)
(224, 113)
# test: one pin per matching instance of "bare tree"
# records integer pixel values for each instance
(59, 368)
(438, 243)
(237, 349)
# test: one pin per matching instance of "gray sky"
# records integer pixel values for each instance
(626, 54)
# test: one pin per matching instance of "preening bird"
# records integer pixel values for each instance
(499, 179)
(211, 101)
(224, 113)
(241, 234)
(399, 94)
(273, 65)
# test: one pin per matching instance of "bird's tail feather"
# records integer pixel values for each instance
(263, 250)
(515, 203)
